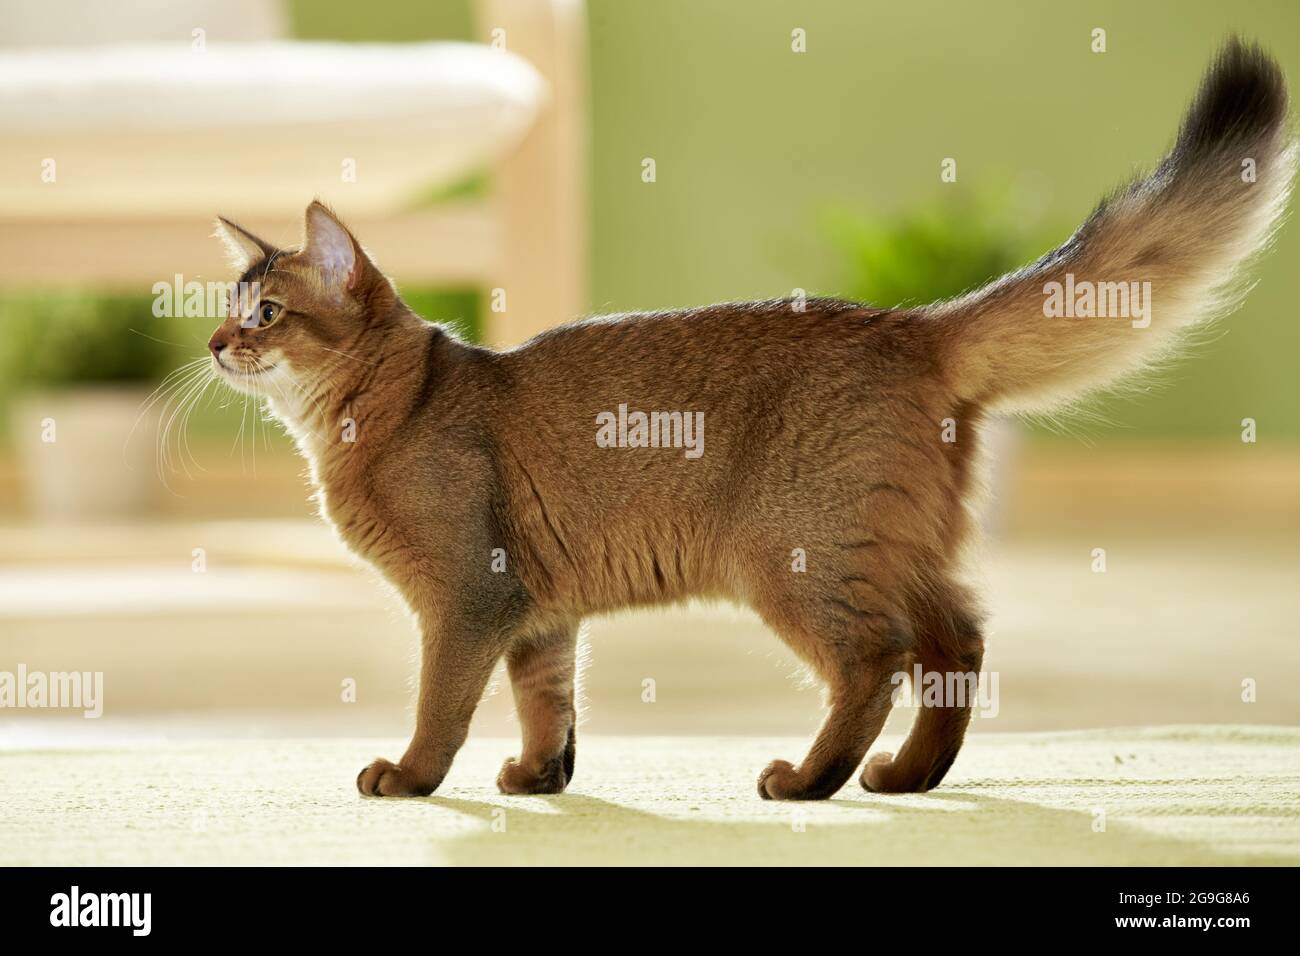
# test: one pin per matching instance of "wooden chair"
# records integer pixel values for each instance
(116, 158)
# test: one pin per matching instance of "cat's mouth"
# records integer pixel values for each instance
(245, 374)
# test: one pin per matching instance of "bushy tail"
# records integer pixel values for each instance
(1158, 256)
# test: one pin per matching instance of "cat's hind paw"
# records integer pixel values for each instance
(880, 776)
(515, 778)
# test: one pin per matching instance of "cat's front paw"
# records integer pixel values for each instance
(383, 778)
(515, 778)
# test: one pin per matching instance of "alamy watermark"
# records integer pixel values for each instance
(130, 910)
(179, 299)
(635, 429)
(959, 689)
(1085, 299)
(56, 690)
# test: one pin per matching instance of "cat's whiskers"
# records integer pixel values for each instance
(189, 412)
(259, 407)
(257, 393)
(178, 383)
(169, 382)
(239, 435)
(167, 398)
(195, 388)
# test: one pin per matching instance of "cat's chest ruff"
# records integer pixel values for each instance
(347, 502)
(344, 477)
(366, 531)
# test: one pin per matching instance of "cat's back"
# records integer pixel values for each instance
(688, 352)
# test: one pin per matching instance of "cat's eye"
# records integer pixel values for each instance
(267, 313)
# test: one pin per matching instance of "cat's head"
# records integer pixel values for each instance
(298, 314)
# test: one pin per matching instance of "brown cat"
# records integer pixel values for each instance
(509, 494)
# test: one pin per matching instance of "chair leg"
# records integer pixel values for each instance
(540, 189)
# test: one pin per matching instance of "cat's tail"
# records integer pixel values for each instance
(1160, 255)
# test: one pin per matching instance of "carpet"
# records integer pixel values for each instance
(1163, 796)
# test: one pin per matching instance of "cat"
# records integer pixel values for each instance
(841, 434)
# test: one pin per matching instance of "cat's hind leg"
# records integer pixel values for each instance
(950, 644)
(857, 651)
(542, 670)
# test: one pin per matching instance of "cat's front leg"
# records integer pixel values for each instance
(456, 662)
(542, 669)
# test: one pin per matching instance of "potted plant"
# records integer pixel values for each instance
(78, 370)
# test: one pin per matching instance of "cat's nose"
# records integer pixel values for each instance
(216, 344)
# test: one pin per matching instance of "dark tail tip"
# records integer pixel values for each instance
(1242, 100)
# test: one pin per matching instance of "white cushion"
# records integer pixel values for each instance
(163, 129)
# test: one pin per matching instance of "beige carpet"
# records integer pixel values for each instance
(1181, 795)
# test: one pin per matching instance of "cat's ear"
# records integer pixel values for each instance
(329, 246)
(242, 247)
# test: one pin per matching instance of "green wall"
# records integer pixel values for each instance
(754, 143)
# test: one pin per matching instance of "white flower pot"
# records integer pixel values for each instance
(77, 463)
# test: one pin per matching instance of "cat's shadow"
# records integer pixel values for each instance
(941, 828)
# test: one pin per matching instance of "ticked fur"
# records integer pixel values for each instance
(833, 493)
